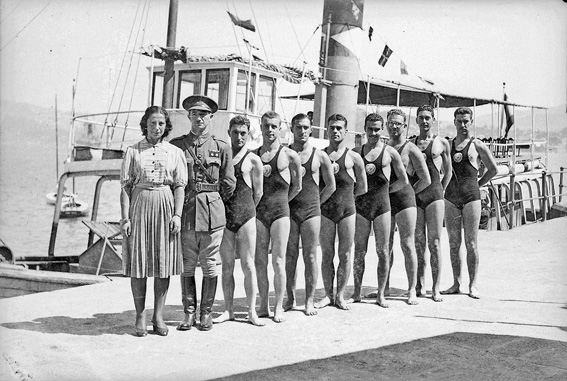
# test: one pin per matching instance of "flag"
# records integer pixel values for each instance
(509, 116)
(370, 31)
(403, 68)
(385, 55)
(246, 24)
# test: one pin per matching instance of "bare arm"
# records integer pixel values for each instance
(361, 185)
(257, 178)
(447, 164)
(125, 225)
(178, 198)
(418, 163)
(295, 172)
(488, 160)
(399, 169)
(326, 171)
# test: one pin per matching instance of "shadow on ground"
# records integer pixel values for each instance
(456, 356)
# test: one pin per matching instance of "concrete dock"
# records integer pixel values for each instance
(516, 331)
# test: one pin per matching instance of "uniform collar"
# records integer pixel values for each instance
(199, 140)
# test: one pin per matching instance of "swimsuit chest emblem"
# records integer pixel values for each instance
(267, 170)
(303, 171)
(370, 168)
(335, 168)
(458, 157)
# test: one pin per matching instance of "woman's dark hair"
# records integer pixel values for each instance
(156, 110)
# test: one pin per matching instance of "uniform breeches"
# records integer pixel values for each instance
(201, 248)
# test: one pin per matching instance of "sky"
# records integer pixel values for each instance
(467, 48)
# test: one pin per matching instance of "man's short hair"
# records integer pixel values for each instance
(337, 117)
(397, 111)
(463, 111)
(425, 108)
(373, 117)
(271, 115)
(299, 117)
(239, 120)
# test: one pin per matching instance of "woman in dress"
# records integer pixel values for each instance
(151, 215)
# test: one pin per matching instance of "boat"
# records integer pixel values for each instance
(73, 208)
(51, 197)
(249, 86)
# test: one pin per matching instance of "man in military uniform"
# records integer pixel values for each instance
(211, 181)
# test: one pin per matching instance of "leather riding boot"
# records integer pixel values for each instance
(189, 299)
(207, 300)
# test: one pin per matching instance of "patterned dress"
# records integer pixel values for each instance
(149, 173)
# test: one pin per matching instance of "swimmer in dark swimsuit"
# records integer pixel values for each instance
(430, 204)
(402, 201)
(305, 211)
(373, 207)
(462, 205)
(338, 212)
(282, 182)
(239, 239)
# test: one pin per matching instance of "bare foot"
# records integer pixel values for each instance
(310, 309)
(354, 299)
(454, 289)
(436, 296)
(341, 303)
(412, 298)
(225, 316)
(381, 301)
(324, 303)
(278, 315)
(289, 304)
(254, 320)
(474, 293)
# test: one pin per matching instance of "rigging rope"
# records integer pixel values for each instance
(25, 26)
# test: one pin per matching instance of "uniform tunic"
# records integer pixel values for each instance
(204, 217)
(149, 172)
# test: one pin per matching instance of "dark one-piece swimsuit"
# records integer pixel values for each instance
(434, 191)
(403, 198)
(341, 203)
(463, 187)
(376, 201)
(274, 203)
(240, 207)
(306, 204)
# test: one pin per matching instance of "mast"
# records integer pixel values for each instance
(337, 91)
(56, 143)
(168, 78)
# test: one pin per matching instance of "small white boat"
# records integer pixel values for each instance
(51, 197)
(73, 208)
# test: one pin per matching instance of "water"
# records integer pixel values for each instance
(27, 173)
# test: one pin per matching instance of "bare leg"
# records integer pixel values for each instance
(279, 232)
(406, 226)
(390, 253)
(327, 239)
(291, 256)
(161, 285)
(434, 221)
(245, 245)
(471, 220)
(228, 256)
(309, 241)
(453, 225)
(361, 234)
(138, 286)
(421, 251)
(346, 239)
(381, 235)
(261, 262)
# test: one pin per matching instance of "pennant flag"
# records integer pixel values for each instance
(385, 55)
(370, 31)
(509, 116)
(246, 24)
(403, 68)
(426, 80)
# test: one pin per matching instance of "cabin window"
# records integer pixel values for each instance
(241, 84)
(157, 88)
(217, 86)
(189, 84)
(266, 94)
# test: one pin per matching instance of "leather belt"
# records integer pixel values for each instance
(204, 187)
